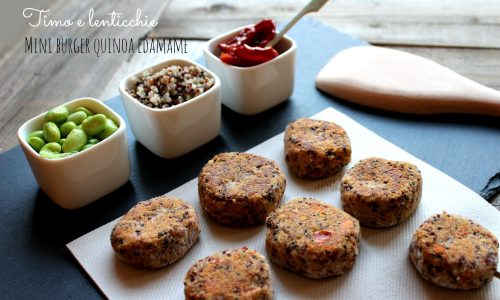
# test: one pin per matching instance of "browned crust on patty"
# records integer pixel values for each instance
(380, 192)
(316, 148)
(454, 252)
(240, 189)
(231, 274)
(312, 238)
(155, 233)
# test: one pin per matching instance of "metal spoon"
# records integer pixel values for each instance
(312, 6)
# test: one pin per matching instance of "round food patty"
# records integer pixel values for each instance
(315, 148)
(230, 274)
(380, 192)
(312, 238)
(240, 189)
(454, 252)
(155, 233)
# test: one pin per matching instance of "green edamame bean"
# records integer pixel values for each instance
(67, 127)
(36, 143)
(62, 155)
(64, 134)
(86, 111)
(75, 140)
(51, 132)
(57, 115)
(87, 146)
(52, 147)
(50, 150)
(52, 155)
(91, 142)
(94, 124)
(77, 117)
(109, 129)
(38, 133)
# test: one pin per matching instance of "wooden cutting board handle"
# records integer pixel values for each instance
(402, 82)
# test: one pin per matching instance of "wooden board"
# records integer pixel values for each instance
(439, 30)
(481, 65)
(456, 23)
(399, 81)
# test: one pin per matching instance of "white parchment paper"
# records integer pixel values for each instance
(382, 269)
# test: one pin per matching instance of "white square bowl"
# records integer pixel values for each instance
(79, 179)
(174, 131)
(251, 90)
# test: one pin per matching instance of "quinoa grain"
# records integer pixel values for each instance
(171, 86)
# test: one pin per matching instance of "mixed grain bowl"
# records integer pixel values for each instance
(170, 86)
(173, 107)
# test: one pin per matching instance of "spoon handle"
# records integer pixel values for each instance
(312, 6)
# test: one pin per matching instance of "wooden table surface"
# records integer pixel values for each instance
(462, 35)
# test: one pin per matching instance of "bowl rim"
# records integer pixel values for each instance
(24, 144)
(170, 61)
(209, 44)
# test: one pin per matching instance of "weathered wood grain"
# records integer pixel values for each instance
(456, 23)
(480, 65)
(10, 14)
(31, 83)
(398, 81)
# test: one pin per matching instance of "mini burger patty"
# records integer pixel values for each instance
(240, 189)
(454, 252)
(380, 192)
(315, 148)
(231, 274)
(312, 238)
(155, 233)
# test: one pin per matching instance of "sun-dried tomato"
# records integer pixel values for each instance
(248, 47)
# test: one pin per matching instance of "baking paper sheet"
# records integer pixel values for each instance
(382, 269)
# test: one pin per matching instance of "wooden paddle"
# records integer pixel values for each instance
(402, 82)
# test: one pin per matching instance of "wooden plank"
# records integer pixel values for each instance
(431, 23)
(31, 83)
(11, 14)
(205, 19)
(480, 65)
(449, 31)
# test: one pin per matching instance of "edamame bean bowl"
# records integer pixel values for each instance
(80, 173)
